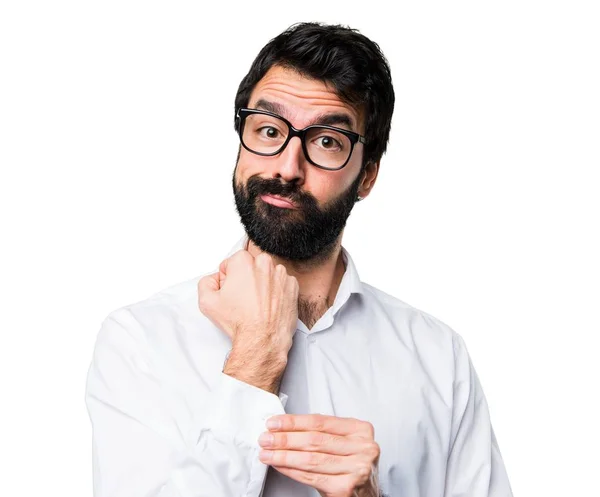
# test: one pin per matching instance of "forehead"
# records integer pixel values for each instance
(302, 98)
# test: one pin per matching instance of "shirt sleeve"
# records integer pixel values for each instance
(140, 448)
(475, 467)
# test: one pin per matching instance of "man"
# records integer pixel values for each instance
(283, 358)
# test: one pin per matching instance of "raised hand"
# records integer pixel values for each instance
(254, 302)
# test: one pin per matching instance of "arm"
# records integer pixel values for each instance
(141, 448)
(475, 467)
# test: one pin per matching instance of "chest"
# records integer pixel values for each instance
(385, 384)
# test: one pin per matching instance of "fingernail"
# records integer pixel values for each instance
(266, 439)
(273, 424)
(265, 455)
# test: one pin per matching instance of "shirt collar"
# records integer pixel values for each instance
(350, 284)
(350, 281)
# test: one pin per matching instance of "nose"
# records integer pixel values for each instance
(291, 163)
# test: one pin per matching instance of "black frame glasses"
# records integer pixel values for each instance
(243, 113)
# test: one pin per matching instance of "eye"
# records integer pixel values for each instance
(269, 132)
(329, 143)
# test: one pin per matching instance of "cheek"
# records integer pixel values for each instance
(245, 167)
(326, 187)
(249, 164)
(323, 185)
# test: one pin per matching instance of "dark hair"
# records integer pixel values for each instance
(338, 55)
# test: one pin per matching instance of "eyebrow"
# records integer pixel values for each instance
(327, 119)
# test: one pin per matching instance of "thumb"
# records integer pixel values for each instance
(210, 283)
(222, 272)
(208, 288)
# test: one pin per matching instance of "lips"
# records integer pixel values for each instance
(278, 201)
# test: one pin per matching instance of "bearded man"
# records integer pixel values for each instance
(282, 373)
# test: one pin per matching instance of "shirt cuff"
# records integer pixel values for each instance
(241, 410)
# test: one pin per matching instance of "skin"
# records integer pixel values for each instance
(304, 99)
(254, 299)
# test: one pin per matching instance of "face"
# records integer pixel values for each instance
(289, 207)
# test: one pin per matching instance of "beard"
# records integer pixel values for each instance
(308, 232)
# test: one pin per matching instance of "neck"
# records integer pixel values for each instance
(318, 278)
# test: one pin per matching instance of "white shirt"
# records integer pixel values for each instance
(167, 422)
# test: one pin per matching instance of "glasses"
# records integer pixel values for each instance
(265, 133)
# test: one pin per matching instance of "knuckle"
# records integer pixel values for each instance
(322, 480)
(316, 440)
(290, 423)
(314, 479)
(368, 429)
(237, 260)
(281, 440)
(363, 471)
(374, 450)
(280, 268)
(239, 255)
(315, 459)
(328, 484)
(263, 258)
(318, 422)
(334, 440)
(280, 458)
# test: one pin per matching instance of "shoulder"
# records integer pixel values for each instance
(174, 298)
(165, 312)
(424, 342)
(429, 338)
(415, 319)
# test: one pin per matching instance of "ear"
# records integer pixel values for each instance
(369, 176)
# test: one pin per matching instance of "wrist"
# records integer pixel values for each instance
(255, 370)
(260, 357)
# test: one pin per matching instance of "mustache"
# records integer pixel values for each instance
(262, 186)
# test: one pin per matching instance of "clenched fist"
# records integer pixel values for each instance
(254, 302)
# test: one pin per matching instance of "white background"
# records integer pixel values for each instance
(117, 148)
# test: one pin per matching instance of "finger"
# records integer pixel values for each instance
(242, 259)
(316, 441)
(293, 286)
(321, 422)
(318, 481)
(209, 283)
(264, 261)
(223, 272)
(223, 267)
(316, 462)
(207, 288)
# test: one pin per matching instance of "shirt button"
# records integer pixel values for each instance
(312, 339)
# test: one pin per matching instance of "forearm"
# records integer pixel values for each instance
(144, 445)
(133, 454)
(263, 370)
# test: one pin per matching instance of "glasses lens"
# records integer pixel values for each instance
(327, 147)
(264, 134)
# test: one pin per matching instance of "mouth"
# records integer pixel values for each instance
(278, 201)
